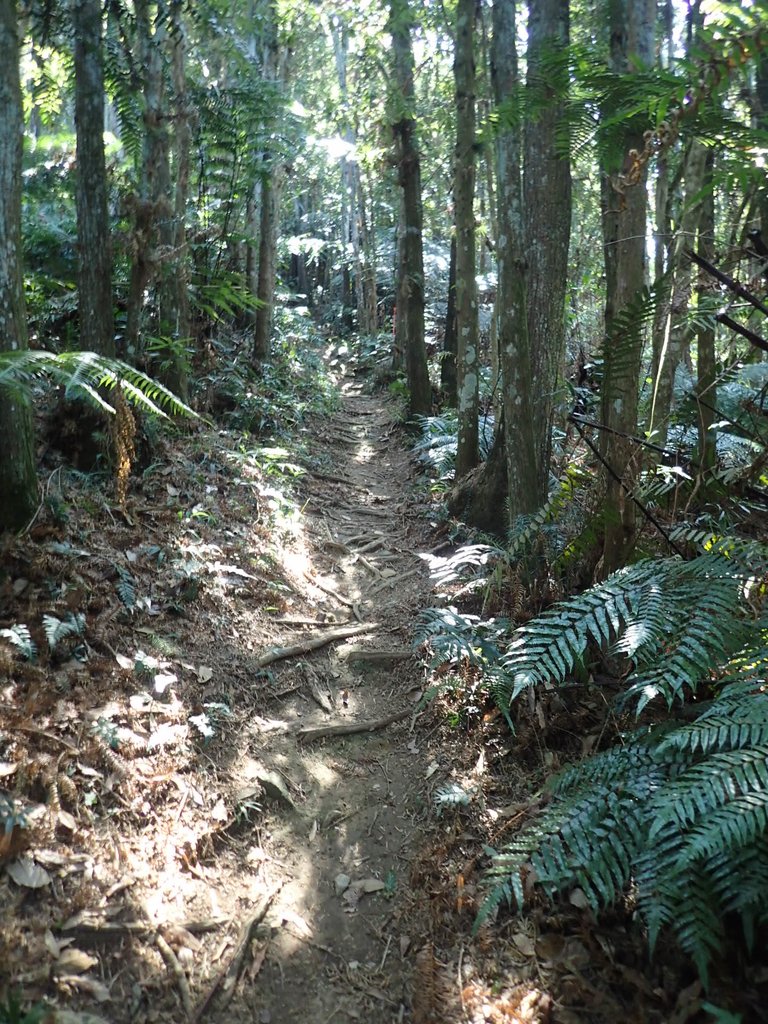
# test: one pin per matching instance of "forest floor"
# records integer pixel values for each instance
(223, 776)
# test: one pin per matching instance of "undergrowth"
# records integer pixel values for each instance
(673, 816)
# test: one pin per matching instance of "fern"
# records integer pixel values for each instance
(125, 587)
(88, 374)
(21, 638)
(696, 611)
(680, 812)
(58, 629)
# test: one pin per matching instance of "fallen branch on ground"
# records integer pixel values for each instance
(229, 973)
(313, 643)
(309, 733)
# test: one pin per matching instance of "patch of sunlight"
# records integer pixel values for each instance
(364, 453)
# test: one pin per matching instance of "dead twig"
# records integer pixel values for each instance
(313, 643)
(226, 978)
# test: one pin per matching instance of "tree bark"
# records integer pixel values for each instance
(273, 70)
(631, 26)
(18, 480)
(450, 341)
(547, 211)
(271, 187)
(95, 303)
(513, 332)
(177, 379)
(410, 273)
(706, 365)
(669, 348)
(467, 364)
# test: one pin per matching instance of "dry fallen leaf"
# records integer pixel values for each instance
(524, 943)
(28, 874)
(76, 961)
(368, 884)
(90, 986)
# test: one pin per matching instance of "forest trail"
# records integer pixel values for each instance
(340, 937)
(189, 846)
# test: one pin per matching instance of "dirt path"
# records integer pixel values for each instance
(187, 847)
(341, 833)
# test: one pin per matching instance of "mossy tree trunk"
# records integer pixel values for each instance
(18, 480)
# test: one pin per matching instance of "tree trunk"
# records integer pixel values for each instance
(450, 341)
(706, 365)
(410, 272)
(350, 241)
(177, 378)
(271, 188)
(631, 25)
(18, 480)
(273, 70)
(367, 314)
(467, 364)
(514, 341)
(547, 214)
(674, 327)
(95, 304)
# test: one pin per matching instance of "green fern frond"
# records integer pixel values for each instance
(58, 629)
(85, 373)
(125, 587)
(21, 638)
(680, 811)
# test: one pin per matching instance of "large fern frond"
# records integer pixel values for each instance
(88, 374)
(680, 812)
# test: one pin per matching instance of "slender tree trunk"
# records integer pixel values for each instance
(177, 379)
(467, 363)
(675, 328)
(96, 311)
(706, 365)
(410, 273)
(350, 242)
(368, 314)
(450, 341)
(547, 214)
(18, 480)
(631, 26)
(271, 188)
(273, 70)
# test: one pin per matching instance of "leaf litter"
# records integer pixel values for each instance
(172, 852)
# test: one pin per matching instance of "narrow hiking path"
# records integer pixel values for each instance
(221, 806)
(342, 853)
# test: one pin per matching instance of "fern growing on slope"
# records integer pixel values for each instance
(696, 613)
(678, 811)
